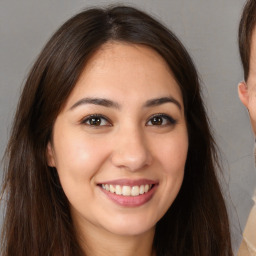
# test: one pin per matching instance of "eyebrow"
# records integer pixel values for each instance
(96, 101)
(111, 104)
(163, 100)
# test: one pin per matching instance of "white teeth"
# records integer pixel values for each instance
(118, 190)
(127, 190)
(112, 189)
(135, 191)
(142, 190)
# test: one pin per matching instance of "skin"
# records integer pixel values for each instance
(125, 145)
(247, 90)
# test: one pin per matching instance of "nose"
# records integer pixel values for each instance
(131, 150)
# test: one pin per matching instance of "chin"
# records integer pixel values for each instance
(132, 231)
(131, 227)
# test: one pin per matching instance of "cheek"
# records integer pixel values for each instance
(172, 156)
(77, 156)
(252, 105)
(173, 153)
(78, 160)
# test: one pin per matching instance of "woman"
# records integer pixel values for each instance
(111, 151)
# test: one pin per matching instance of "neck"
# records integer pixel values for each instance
(97, 242)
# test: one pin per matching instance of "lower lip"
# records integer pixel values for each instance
(131, 201)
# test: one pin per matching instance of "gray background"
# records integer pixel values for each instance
(209, 31)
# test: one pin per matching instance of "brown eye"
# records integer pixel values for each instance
(161, 120)
(95, 120)
(157, 120)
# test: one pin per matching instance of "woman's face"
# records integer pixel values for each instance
(120, 143)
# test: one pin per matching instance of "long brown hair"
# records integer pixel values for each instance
(37, 217)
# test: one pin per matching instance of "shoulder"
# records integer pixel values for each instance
(248, 245)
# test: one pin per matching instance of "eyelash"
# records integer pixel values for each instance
(98, 118)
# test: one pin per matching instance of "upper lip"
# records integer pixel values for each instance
(129, 182)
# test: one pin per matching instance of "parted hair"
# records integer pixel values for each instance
(37, 218)
(246, 28)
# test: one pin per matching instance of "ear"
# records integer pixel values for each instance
(243, 93)
(50, 155)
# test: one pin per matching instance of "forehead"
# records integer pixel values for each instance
(116, 53)
(126, 68)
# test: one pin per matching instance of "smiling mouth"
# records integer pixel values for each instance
(129, 193)
(127, 190)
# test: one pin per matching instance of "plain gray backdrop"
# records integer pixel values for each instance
(207, 28)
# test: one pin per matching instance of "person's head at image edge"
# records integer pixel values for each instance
(247, 47)
(111, 141)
